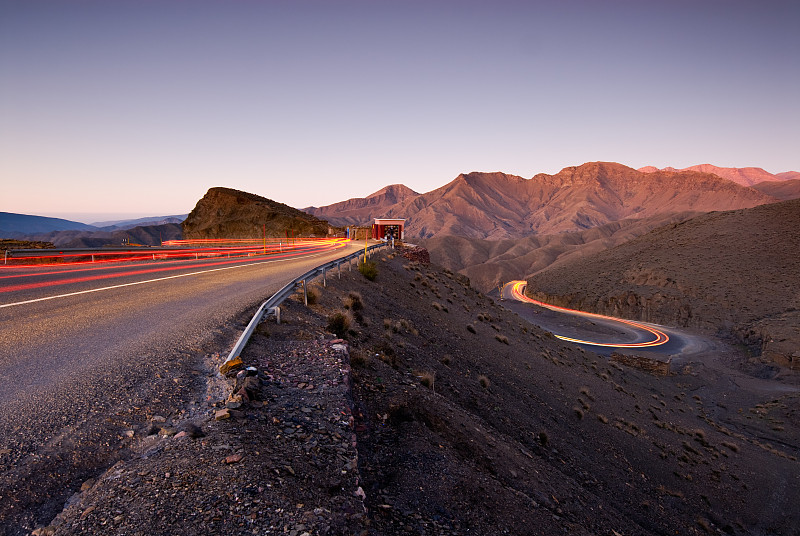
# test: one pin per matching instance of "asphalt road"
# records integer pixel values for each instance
(79, 367)
(608, 334)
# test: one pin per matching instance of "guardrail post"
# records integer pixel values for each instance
(324, 280)
(5, 261)
(339, 267)
(92, 257)
(305, 293)
(277, 311)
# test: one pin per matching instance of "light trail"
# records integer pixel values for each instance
(174, 249)
(312, 253)
(69, 275)
(518, 293)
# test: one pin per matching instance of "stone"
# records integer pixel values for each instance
(158, 418)
(234, 458)
(222, 414)
(192, 430)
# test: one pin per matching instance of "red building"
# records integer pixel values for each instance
(387, 227)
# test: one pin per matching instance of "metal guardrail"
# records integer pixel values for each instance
(271, 305)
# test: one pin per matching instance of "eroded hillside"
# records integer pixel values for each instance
(735, 272)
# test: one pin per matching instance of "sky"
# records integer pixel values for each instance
(125, 108)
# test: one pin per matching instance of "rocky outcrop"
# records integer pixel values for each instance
(228, 213)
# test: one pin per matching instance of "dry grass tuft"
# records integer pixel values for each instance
(484, 381)
(339, 323)
(427, 379)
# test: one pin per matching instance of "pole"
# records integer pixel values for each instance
(265, 239)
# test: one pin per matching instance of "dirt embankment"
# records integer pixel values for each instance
(467, 420)
(470, 420)
(733, 272)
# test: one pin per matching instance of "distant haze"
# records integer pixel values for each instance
(122, 109)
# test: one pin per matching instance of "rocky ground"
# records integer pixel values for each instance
(441, 412)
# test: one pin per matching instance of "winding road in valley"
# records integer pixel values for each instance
(600, 333)
(90, 353)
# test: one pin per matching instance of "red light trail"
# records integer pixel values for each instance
(70, 270)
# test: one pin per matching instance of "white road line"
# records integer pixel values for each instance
(151, 281)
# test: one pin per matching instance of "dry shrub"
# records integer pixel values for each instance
(426, 378)
(471, 328)
(354, 301)
(339, 323)
(484, 381)
(369, 270)
(447, 359)
(501, 338)
(358, 358)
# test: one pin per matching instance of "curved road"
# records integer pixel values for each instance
(600, 333)
(88, 355)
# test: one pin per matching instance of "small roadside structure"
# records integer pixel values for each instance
(388, 228)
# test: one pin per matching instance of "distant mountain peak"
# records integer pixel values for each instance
(745, 176)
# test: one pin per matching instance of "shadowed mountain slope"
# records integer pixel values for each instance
(735, 272)
(783, 190)
(488, 262)
(147, 235)
(19, 225)
(229, 213)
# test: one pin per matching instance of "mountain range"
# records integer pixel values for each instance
(746, 176)
(499, 206)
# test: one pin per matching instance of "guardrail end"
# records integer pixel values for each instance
(231, 365)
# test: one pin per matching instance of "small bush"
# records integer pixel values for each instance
(427, 379)
(358, 358)
(312, 294)
(446, 359)
(602, 418)
(369, 270)
(501, 338)
(543, 439)
(471, 328)
(354, 301)
(484, 381)
(339, 323)
(437, 306)
(578, 412)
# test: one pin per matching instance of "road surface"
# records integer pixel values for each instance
(88, 355)
(600, 333)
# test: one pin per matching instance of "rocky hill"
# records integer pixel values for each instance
(733, 272)
(228, 213)
(498, 206)
(746, 176)
(359, 211)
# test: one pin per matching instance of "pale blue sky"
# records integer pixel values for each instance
(129, 108)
